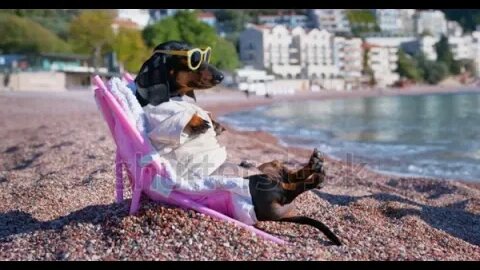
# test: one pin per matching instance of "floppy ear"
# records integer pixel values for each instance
(191, 94)
(152, 83)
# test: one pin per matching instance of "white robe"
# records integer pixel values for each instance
(195, 158)
(192, 157)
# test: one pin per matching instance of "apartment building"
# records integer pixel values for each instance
(333, 20)
(348, 57)
(139, 17)
(462, 47)
(270, 48)
(431, 21)
(395, 21)
(383, 62)
(476, 51)
(288, 20)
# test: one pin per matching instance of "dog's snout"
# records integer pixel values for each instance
(218, 77)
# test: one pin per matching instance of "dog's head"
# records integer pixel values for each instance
(165, 75)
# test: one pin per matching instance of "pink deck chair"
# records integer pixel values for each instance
(131, 146)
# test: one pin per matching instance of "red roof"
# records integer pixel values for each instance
(125, 23)
(206, 15)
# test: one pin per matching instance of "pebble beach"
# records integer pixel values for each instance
(58, 203)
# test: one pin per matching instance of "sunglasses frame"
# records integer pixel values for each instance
(189, 53)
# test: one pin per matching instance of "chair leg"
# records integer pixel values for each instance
(137, 193)
(119, 178)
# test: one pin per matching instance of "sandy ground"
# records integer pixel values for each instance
(57, 194)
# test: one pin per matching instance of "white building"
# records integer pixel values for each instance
(270, 48)
(427, 47)
(454, 29)
(288, 53)
(252, 80)
(389, 41)
(332, 20)
(476, 51)
(462, 47)
(289, 20)
(348, 57)
(140, 17)
(432, 21)
(383, 62)
(317, 52)
(396, 21)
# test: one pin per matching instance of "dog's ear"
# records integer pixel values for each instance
(152, 82)
(192, 95)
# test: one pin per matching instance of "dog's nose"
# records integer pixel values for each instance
(218, 77)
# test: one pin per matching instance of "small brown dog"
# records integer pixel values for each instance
(176, 69)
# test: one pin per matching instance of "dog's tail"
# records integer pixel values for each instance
(315, 223)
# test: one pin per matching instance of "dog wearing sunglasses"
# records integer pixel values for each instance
(185, 134)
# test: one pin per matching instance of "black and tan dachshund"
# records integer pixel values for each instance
(169, 73)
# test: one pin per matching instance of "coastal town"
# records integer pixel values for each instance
(288, 51)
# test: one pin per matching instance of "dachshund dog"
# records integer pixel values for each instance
(177, 69)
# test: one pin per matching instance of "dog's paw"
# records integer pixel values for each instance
(317, 163)
(246, 164)
(200, 129)
(218, 128)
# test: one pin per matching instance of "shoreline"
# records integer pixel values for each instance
(242, 102)
(250, 103)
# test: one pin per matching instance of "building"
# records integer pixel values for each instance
(389, 41)
(123, 23)
(317, 50)
(382, 60)
(348, 59)
(139, 17)
(432, 22)
(454, 29)
(269, 48)
(395, 21)
(462, 47)
(288, 20)
(289, 53)
(332, 20)
(208, 18)
(476, 51)
(52, 71)
(423, 44)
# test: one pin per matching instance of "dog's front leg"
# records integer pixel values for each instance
(216, 126)
(198, 125)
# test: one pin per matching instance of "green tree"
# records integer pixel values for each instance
(130, 49)
(166, 29)
(362, 21)
(22, 35)
(232, 20)
(55, 20)
(224, 55)
(408, 68)
(433, 71)
(184, 26)
(367, 70)
(91, 32)
(445, 55)
(468, 18)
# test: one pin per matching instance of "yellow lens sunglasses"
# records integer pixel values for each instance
(195, 56)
